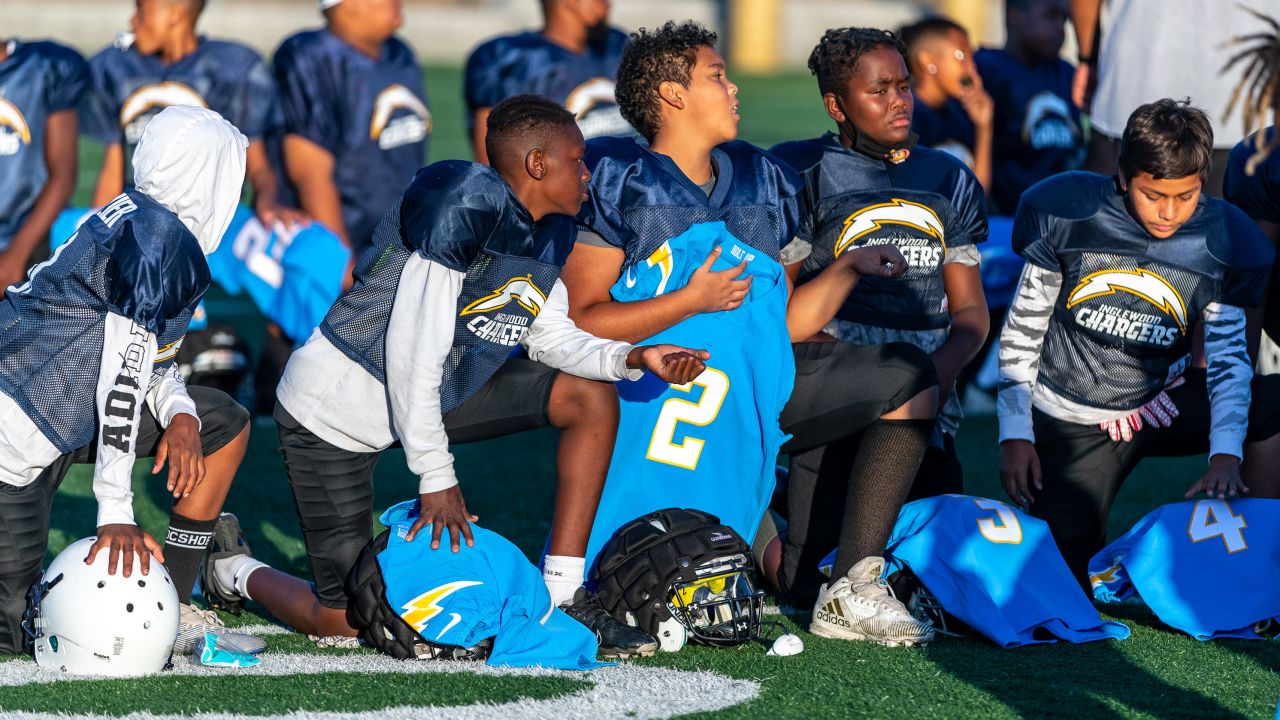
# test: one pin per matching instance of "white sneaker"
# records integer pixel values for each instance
(860, 606)
(193, 623)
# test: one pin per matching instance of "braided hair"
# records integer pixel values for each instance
(1258, 92)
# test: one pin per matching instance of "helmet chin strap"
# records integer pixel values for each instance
(865, 144)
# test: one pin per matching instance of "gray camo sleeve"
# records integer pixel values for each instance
(1020, 344)
(1229, 375)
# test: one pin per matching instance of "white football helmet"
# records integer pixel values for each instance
(87, 622)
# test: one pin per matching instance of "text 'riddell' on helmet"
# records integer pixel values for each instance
(86, 621)
(680, 573)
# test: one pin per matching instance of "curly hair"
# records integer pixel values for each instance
(520, 122)
(1167, 139)
(1258, 92)
(651, 58)
(836, 56)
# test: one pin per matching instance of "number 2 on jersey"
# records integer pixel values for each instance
(662, 445)
(1213, 518)
(1003, 528)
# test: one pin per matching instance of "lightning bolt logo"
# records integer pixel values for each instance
(661, 258)
(520, 289)
(12, 118)
(1106, 576)
(1141, 283)
(895, 212)
(419, 611)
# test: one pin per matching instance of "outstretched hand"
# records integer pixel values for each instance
(674, 364)
(441, 509)
(1222, 479)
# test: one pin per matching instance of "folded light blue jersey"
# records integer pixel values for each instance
(995, 568)
(292, 276)
(487, 591)
(1206, 567)
(711, 444)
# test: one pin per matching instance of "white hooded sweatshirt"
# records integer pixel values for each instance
(192, 162)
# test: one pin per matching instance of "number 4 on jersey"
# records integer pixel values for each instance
(1213, 518)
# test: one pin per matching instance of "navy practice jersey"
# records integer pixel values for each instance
(133, 258)
(711, 444)
(488, 591)
(37, 80)
(529, 63)
(1120, 328)
(947, 128)
(640, 199)
(995, 568)
(465, 217)
(371, 115)
(130, 88)
(1205, 567)
(927, 206)
(1258, 195)
(1036, 126)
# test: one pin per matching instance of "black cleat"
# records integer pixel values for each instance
(616, 638)
(228, 541)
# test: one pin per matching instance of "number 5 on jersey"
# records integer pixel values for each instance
(662, 445)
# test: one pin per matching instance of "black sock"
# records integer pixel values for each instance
(184, 548)
(886, 465)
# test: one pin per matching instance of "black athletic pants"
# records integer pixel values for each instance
(840, 389)
(333, 488)
(1082, 468)
(24, 511)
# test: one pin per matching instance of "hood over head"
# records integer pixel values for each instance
(192, 161)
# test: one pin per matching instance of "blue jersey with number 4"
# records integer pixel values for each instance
(995, 568)
(1210, 568)
(711, 444)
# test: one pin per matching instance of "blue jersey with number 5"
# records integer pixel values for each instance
(1209, 568)
(711, 444)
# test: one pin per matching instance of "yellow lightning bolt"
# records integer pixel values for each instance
(1106, 576)
(419, 611)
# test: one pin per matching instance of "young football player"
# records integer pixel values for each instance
(573, 60)
(689, 169)
(1119, 270)
(43, 83)
(463, 269)
(87, 371)
(1036, 127)
(870, 184)
(953, 111)
(167, 63)
(355, 116)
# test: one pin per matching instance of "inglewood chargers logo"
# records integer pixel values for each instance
(1128, 324)
(505, 328)
(596, 110)
(14, 132)
(391, 132)
(919, 251)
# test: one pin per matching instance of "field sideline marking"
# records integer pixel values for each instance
(628, 691)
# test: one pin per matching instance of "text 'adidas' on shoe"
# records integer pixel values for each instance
(616, 638)
(860, 606)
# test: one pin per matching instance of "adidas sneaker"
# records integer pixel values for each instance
(860, 606)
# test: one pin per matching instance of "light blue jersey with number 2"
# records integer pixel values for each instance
(711, 444)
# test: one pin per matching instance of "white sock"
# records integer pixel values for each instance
(563, 575)
(233, 572)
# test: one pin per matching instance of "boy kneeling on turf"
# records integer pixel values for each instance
(1098, 341)
(418, 351)
(88, 372)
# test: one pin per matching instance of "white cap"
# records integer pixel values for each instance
(326, 4)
